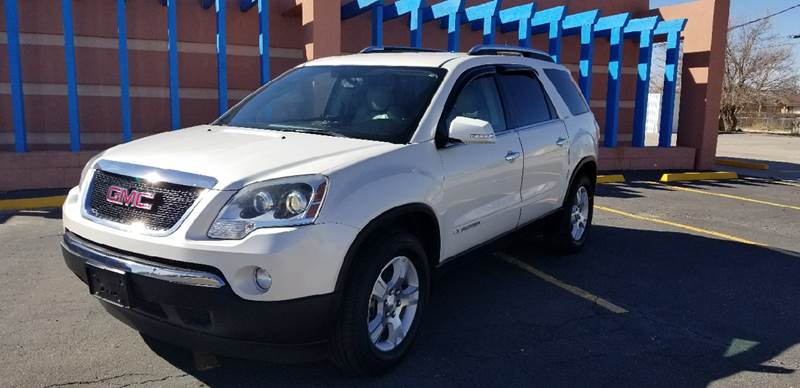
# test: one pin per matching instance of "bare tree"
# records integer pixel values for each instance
(756, 71)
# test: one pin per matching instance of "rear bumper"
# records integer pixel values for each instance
(201, 312)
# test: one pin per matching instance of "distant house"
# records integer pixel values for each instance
(784, 107)
(790, 105)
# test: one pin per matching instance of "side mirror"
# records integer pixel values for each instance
(471, 131)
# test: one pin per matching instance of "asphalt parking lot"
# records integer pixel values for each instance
(680, 285)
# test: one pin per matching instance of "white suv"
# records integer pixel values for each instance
(305, 222)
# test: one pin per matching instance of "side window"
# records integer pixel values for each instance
(479, 99)
(525, 100)
(566, 87)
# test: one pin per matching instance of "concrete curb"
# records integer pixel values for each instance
(698, 176)
(613, 178)
(743, 164)
(32, 203)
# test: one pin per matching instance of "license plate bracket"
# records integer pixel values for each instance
(109, 285)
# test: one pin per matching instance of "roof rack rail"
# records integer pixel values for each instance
(491, 49)
(397, 49)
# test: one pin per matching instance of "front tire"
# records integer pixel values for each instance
(574, 221)
(382, 305)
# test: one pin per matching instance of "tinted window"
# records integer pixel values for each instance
(479, 100)
(525, 100)
(366, 102)
(566, 87)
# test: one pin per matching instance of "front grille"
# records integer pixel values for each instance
(170, 203)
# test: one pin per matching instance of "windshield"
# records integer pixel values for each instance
(366, 102)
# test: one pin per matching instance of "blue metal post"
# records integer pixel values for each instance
(377, 24)
(612, 26)
(549, 20)
(222, 58)
(172, 43)
(642, 29)
(263, 33)
(520, 17)
(124, 82)
(412, 8)
(72, 82)
(672, 29)
(357, 7)
(263, 39)
(583, 24)
(487, 13)
(15, 76)
(453, 11)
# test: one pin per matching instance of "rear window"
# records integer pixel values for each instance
(566, 87)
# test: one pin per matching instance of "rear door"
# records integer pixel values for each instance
(544, 138)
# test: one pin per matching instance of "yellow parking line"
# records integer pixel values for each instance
(32, 203)
(730, 196)
(567, 287)
(679, 226)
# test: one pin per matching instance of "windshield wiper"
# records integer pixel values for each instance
(287, 128)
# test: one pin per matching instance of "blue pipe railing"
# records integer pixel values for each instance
(643, 30)
(222, 58)
(549, 21)
(450, 14)
(672, 29)
(612, 27)
(72, 81)
(484, 16)
(15, 76)
(172, 58)
(124, 79)
(583, 25)
(519, 17)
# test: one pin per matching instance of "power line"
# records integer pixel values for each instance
(780, 45)
(764, 18)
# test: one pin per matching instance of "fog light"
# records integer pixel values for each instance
(263, 279)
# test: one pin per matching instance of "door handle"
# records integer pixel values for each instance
(512, 156)
(561, 141)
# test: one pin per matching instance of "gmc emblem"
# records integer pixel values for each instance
(131, 198)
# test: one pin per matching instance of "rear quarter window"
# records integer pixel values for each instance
(568, 90)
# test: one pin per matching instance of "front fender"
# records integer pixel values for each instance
(360, 192)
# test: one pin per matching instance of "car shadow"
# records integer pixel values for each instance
(777, 170)
(699, 309)
(51, 213)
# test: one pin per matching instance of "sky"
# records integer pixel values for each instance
(745, 10)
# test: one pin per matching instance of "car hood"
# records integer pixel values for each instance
(237, 156)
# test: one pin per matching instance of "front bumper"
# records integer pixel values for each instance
(193, 306)
(304, 261)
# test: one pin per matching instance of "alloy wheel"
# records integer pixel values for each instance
(393, 304)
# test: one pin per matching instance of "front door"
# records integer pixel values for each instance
(482, 181)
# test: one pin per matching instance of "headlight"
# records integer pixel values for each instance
(280, 202)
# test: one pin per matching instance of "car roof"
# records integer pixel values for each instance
(449, 60)
(415, 59)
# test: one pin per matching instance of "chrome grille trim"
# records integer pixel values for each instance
(154, 173)
(143, 172)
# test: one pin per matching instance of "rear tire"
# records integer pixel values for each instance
(382, 305)
(573, 222)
